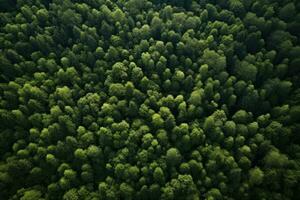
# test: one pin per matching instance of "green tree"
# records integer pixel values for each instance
(173, 156)
(256, 176)
(214, 60)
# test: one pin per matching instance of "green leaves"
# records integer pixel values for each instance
(256, 176)
(276, 159)
(148, 99)
(157, 120)
(173, 156)
(246, 71)
(117, 89)
(214, 60)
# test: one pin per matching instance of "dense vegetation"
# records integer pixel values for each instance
(146, 99)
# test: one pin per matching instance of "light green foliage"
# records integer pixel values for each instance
(246, 71)
(158, 175)
(119, 71)
(64, 93)
(214, 60)
(173, 156)
(32, 195)
(71, 195)
(118, 15)
(126, 191)
(256, 176)
(241, 116)
(196, 97)
(157, 120)
(42, 15)
(276, 159)
(117, 89)
(209, 123)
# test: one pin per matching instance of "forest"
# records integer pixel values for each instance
(149, 99)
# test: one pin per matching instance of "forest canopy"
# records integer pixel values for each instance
(150, 99)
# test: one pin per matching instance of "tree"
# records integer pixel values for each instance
(275, 159)
(157, 120)
(70, 18)
(118, 72)
(117, 89)
(42, 15)
(118, 15)
(288, 11)
(156, 26)
(184, 186)
(71, 194)
(209, 123)
(241, 116)
(126, 191)
(256, 176)
(246, 71)
(64, 94)
(214, 60)
(214, 193)
(295, 113)
(158, 175)
(196, 97)
(32, 194)
(237, 7)
(173, 156)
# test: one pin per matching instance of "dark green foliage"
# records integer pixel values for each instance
(7, 5)
(149, 99)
